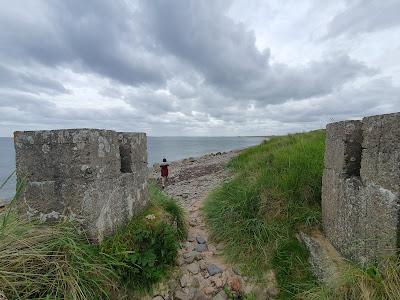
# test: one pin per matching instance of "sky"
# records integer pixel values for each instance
(197, 67)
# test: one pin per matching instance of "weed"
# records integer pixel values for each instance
(147, 246)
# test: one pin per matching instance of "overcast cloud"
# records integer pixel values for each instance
(186, 67)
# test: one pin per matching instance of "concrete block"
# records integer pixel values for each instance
(380, 223)
(343, 147)
(77, 153)
(133, 149)
(381, 151)
(361, 187)
(96, 177)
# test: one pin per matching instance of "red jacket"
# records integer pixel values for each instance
(164, 170)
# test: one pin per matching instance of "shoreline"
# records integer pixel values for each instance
(194, 167)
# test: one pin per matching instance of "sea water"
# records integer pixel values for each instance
(171, 148)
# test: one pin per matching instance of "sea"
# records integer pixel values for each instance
(172, 148)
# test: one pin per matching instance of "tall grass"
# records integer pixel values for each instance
(379, 282)
(276, 192)
(43, 261)
(39, 261)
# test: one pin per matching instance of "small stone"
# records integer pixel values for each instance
(217, 282)
(180, 295)
(199, 295)
(195, 282)
(180, 261)
(158, 298)
(200, 239)
(194, 254)
(190, 239)
(193, 222)
(212, 248)
(184, 280)
(202, 265)
(200, 247)
(213, 269)
(221, 296)
(193, 268)
(189, 260)
(209, 290)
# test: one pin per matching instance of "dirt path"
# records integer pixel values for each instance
(202, 274)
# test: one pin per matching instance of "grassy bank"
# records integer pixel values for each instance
(56, 262)
(276, 191)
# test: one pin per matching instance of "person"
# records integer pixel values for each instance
(164, 172)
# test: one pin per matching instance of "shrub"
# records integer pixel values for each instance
(148, 245)
(276, 191)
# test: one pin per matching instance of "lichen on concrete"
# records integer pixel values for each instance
(361, 187)
(77, 173)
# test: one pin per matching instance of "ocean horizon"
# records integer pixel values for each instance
(171, 147)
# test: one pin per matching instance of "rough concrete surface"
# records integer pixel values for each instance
(325, 261)
(97, 177)
(361, 187)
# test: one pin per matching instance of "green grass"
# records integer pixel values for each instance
(54, 262)
(42, 261)
(378, 282)
(276, 191)
(147, 246)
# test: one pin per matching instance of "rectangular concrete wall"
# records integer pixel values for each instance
(361, 187)
(97, 177)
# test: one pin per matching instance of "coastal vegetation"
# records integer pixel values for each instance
(275, 192)
(57, 261)
(377, 282)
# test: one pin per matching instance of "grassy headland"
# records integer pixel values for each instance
(276, 192)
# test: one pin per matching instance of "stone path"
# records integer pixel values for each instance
(202, 272)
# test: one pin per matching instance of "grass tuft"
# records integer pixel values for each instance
(356, 283)
(39, 261)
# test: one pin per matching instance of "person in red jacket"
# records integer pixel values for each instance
(164, 172)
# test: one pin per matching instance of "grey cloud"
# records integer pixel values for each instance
(225, 53)
(173, 67)
(28, 82)
(351, 102)
(98, 35)
(149, 102)
(365, 16)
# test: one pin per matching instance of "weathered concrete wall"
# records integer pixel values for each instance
(97, 177)
(361, 187)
